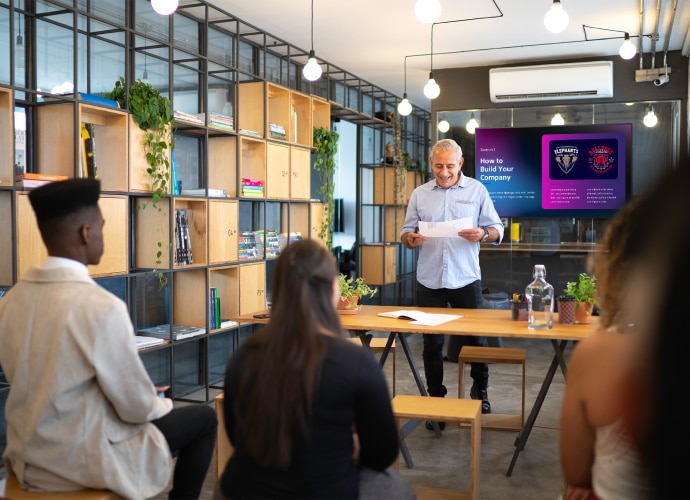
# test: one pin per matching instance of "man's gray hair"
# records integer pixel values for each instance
(446, 145)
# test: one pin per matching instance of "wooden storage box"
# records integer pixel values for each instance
(379, 263)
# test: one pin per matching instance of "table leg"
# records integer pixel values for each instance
(523, 435)
(410, 426)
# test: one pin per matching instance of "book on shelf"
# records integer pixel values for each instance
(178, 332)
(34, 180)
(285, 239)
(189, 117)
(277, 131)
(272, 243)
(221, 121)
(227, 323)
(246, 181)
(214, 308)
(183, 245)
(144, 341)
(246, 246)
(215, 193)
(250, 132)
(96, 99)
(89, 139)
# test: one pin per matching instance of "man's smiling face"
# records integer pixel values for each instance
(446, 167)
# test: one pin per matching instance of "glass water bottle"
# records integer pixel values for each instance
(540, 300)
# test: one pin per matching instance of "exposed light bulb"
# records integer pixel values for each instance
(431, 89)
(443, 126)
(145, 77)
(404, 106)
(427, 11)
(165, 7)
(471, 124)
(556, 19)
(627, 50)
(312, 70)
(557, 119)
(650, 119)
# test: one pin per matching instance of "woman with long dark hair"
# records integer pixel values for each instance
(307, 411)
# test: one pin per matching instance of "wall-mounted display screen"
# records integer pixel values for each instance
(567, 171)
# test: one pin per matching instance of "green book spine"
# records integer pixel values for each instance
(216, 305)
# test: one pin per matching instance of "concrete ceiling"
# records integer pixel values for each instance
(375, 39)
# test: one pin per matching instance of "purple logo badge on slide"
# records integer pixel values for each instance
(565, 157)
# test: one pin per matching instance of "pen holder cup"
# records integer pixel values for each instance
(519, 311)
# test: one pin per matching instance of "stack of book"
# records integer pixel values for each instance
(277, 131)
(183, 244)
(224, 122)
(246, 246)
(252, 188)
(259, 242)
(197, 119)
(176, 333)
(34, 180)
(143, 341)
(271, 244)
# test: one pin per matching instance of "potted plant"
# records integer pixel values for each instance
(351, 291)
(153, 113)
(583, 291)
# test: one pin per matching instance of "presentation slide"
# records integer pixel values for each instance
(571, 171)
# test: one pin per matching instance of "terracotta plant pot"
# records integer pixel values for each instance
(583, 314)
(348, 305)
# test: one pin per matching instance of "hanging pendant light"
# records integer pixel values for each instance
(627, 50)
(165, 7)
(404, 106)
(443, 126)
(650, 119)
(312, 70)
(19, 56)
(431, 89)
(557, 119)
(427, 11)
(556, 19)
(471, 124)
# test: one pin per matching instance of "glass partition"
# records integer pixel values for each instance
(563, 244)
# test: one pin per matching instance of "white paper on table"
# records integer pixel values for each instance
(444, 229)
(421, 318)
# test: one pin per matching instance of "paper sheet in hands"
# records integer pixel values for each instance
(421, 318)
(444, 229)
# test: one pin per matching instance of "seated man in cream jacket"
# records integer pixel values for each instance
(82, 411)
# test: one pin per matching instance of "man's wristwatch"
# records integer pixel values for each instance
(486, 234)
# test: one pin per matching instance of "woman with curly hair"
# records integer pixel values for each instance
(598, 457)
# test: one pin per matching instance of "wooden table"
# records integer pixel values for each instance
(474, 322)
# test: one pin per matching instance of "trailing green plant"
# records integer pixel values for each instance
(325, 148)
(152, 112)
(351, 287)
(583, 290)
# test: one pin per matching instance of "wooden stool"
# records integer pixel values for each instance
(462, 411)
(14, 491)
(224, 448)
(378, 344)
(502, 355)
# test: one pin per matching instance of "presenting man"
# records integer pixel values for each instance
(448, 271)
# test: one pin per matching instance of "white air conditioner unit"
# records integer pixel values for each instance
(585, 80)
